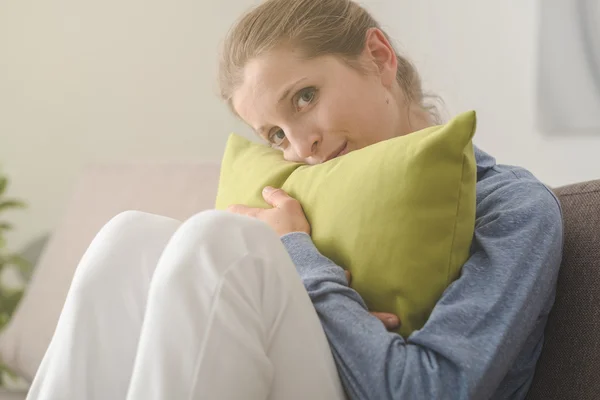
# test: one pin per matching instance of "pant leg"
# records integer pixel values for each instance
(228, 318)
(92, 352)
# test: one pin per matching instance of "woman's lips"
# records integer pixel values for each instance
(340, 152)
(345, 150)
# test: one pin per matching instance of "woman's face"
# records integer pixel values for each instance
(318, 109)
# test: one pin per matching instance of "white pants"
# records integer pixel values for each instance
(209, 309)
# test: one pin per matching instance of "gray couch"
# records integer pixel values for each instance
(569, 367)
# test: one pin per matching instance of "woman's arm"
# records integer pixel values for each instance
(477, 329)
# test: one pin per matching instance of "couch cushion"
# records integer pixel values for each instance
(174, 190)
(570, 360)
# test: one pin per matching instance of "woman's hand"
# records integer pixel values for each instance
(286, 216)
(391, 321)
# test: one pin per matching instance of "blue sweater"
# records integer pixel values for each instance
(485, 334)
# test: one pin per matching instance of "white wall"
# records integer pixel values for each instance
(481, 55)
(85, 81)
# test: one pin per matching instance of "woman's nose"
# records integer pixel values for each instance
(306, 145)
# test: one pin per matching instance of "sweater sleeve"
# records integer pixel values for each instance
(478, 327)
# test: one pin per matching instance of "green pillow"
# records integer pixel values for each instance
(399, 214)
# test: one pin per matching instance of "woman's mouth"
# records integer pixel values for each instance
(339, 152)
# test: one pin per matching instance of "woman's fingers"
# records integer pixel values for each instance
(390, 321)
(244, 210)
(286, 216)
(276, 197)
(348, 277)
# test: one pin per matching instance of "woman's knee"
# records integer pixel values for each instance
(223, 229)
(120, 247)
(127, 224)
(217, 237)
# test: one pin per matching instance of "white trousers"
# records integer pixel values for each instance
(211, 308)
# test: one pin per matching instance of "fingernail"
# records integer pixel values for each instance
(267, 189)
(392, 322)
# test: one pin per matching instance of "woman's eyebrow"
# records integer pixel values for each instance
(287, 91)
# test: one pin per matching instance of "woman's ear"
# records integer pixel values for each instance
(378, 50)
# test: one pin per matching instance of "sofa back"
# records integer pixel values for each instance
(569, 366)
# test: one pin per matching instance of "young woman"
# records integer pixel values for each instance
(241, 305)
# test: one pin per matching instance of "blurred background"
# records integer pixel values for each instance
(129, 80)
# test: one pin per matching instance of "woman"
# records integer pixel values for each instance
(214, 308)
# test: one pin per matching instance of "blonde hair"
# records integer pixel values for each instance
(317, 28)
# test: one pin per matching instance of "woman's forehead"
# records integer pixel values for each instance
(274, 69)
(266, 78)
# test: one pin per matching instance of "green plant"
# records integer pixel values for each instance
(9, 294)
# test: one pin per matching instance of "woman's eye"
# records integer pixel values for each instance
(305, 97)
(277, 137)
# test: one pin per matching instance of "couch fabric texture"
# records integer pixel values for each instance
(569, 367)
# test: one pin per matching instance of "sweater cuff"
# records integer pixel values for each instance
(304, 254)
(298, 245)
